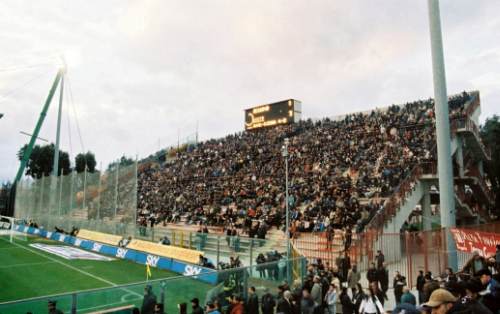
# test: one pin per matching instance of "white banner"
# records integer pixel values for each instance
(69, 252)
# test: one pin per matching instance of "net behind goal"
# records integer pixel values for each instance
(8, 229)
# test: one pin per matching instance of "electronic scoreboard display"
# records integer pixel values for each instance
(282, 112)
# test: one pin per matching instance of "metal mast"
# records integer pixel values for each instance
(445, 173)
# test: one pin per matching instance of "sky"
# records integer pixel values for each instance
(143, 74)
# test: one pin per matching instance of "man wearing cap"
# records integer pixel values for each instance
(440, 302)
(195, 305)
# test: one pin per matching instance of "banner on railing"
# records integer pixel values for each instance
(470, 240)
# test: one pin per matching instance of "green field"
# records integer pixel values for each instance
(26, 272)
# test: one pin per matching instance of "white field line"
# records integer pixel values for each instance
(73, 268)
(25, 264)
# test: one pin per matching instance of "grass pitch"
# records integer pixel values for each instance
(26, 272)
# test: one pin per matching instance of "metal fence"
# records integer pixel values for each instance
(170, 291)
(104, 201)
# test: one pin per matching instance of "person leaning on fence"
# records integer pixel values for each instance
(475, 264)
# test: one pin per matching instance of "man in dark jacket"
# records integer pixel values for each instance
(420, 286)
(267, 303)
(285, 305)
(195, 304)
(149, 301)
(380, 258)
(252, 302)
(398, 283)
(371, 275)
(383, 278)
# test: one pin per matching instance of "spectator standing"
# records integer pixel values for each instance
(358, 297)
(195, 306)
(398, 283)
(211, 309)
(371, 274)
(377, 292)
(408, 297)
(316, 291)
(237, 306)
(285, 305)
(353, 278)
(252, 302)
(344, 265)
(267, 303)
(331, 299)
(346, 302)
(307, 304)
(383, 278)
(420, 286)
(380, 258)
(371, 304)
(149, 300)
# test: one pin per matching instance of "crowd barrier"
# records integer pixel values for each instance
(161, 262)
(206, 286)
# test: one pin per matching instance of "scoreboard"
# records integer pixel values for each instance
(281, 112)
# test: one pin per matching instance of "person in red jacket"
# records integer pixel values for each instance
(237, 307)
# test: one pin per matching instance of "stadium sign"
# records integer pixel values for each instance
(282, 112)
(471, 240)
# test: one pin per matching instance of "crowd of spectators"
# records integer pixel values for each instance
(340, 171)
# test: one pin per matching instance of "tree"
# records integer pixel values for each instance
(123, 162)
(490, 133)
(41, 161)
(85, 159)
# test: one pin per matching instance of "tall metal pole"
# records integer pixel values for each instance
(116, 187)
(43, 114)
(99, 193)
(446, 193)
(285, 155)
(55, 166)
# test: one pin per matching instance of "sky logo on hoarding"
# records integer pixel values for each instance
(121, 253)
(96, 247)
(152, 260)
(62, 237)
(37, 231)
(190, 270)
(78, 242)
(49, 234)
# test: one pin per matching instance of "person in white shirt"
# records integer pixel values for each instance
(331, 299)
(371, 304)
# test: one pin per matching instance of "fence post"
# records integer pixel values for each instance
(73, 303)
(190, 240)
(182, 239)
(218, 251)
(251, 255)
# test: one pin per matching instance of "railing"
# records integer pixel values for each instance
(171, 291)
(469, 125)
